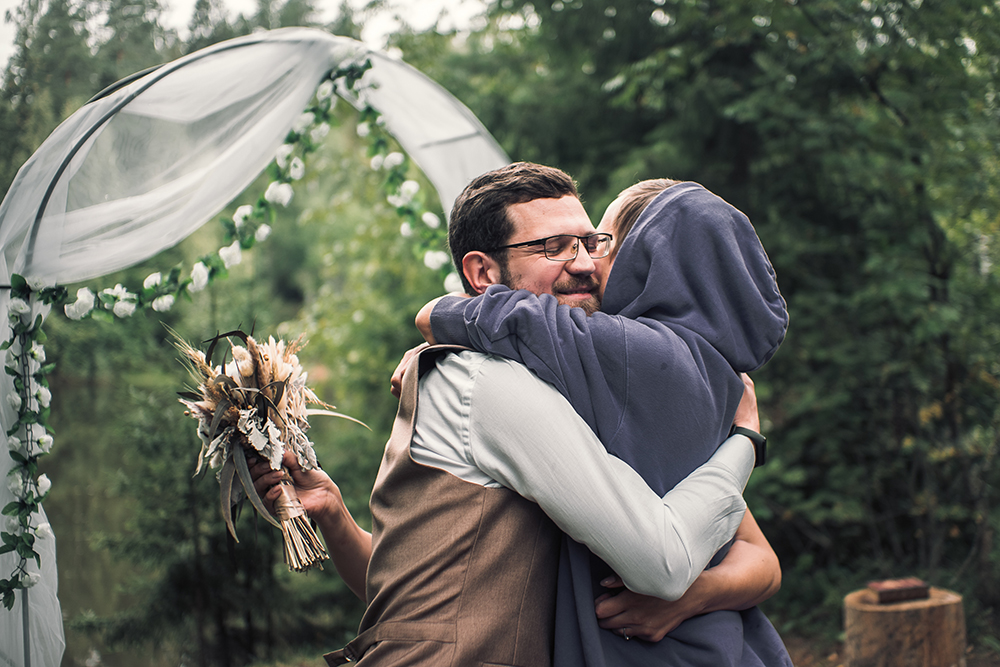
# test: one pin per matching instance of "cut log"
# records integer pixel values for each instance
(915, 633)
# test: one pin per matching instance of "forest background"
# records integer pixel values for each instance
(860, 136)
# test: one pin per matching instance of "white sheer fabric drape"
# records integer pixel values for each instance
(137, 171)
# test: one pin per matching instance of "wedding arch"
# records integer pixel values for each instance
(138, 169)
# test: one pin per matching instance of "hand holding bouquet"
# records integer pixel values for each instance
(257, 402)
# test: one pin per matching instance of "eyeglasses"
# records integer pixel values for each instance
(565, 247)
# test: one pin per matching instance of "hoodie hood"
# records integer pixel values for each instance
(694, 262)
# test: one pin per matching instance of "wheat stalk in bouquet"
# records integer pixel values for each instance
(257, 402)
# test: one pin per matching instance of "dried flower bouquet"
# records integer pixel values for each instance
(257, 402)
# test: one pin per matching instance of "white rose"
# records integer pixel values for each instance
(231, 255)
(15, 484)
(14, 443)
(14, 401)
(44, 484)
(325, 90)
(279, 193)
(393, 159)
(30, 579)
(242, 214)
(45, 443)
(364, 130)
(281, 156)
(453, 283)
(152, 280)
(13, 525)
(37, 352)
(84, 304)
(262, 233)
(318, 133)
(35, 283)
(18, 307)
(409, 189)
(199, 277)
(431, 220)
(377, 161)
(44, 396)
(11, 359)
(162, 304)
(118, 291)
(398, 200)
(435, 259)
(124, 308)
(406, 230)
(44, 531)
(297, 169)
(302, 122)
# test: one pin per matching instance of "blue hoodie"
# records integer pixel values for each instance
(692, 301)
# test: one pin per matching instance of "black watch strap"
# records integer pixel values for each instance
(759, 444)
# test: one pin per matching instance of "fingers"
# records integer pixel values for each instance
(396, 382)
(613, 581)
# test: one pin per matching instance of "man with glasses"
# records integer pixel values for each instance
(462, 566)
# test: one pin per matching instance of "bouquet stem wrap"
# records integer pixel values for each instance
(303, 549)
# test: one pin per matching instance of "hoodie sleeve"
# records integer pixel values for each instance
(585, 358)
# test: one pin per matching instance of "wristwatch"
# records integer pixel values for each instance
(759, 444)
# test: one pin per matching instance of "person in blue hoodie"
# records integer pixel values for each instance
(690, 300)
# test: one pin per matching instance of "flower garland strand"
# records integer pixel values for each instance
(30, 437)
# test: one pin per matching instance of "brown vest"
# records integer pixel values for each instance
(461, 575)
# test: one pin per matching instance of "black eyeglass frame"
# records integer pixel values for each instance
(598, 235)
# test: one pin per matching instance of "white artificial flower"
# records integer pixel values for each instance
(279, 193)
(44, 396)
(13, 525)
(43, 531)
(262, 233)
(199, 277)
(45, 443)
(44, 484)
(162, 304)
(35, 283)
(282, 154)
(406, 230)
(325, 90)
(393, 159)
(15, 483)
(318, 133)
(241, 215)
(364, 130)
(453, 283)
(14, 443)
(18, 307)
(124, 308)
(380, 120)
(30, 579)
(232, 254)
(84, 304)
(14, 400)
(435, 259)
(118, 291)
(303, 122)
(398, 200)
(152, 280)
(37, 352)
(431, 220)
(409, 189)
(297, 169)
(377, 161)
(11, 359)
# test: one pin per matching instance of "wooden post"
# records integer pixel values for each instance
(915, 633)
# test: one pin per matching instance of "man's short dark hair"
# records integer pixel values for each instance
(479, 216)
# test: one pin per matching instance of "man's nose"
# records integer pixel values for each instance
(583, 264)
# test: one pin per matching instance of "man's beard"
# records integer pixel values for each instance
(590, 306)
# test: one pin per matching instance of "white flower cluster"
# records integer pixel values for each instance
(119, 300)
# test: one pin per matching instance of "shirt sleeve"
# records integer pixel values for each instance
(527, 437)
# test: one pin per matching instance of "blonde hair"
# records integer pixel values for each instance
(634, 201)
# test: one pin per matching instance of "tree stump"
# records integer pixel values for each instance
(915, 633)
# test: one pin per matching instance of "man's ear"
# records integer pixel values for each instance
(480, 270)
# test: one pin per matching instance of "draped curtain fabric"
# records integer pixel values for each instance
(138, 170)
